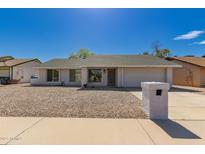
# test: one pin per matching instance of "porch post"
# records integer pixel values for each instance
(11, 73)
(119, 77)
(169, 72)
(84, 76)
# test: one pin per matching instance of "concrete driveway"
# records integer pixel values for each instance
(185, 103)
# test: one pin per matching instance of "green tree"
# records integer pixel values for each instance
(165, 52)
(145, 53)
(81, 54)
(162, 53)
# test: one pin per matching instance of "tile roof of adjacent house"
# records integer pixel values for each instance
(5, 58)
(110, 61)
(199, 61)
(14, 62)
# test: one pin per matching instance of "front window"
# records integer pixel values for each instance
(52, 75)
(94, 75)
(75, 75)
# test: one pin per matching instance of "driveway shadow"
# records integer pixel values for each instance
(175, 130)
(176, 89)
(109, 89)
(89, 88)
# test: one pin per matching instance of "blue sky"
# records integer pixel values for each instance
(55, 33)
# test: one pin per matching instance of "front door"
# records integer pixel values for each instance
(111, 77)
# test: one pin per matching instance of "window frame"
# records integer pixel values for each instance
(53, 75)
(101, 75)
(75, 75)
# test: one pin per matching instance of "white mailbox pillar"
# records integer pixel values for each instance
(155, 99)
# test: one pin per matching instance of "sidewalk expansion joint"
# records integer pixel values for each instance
(26, 129)
(146, 133)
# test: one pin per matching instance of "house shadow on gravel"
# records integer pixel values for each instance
(109, 89)
(90, 88)
(175, 130)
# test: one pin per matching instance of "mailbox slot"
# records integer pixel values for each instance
(158, 92)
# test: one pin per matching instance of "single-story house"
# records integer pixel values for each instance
(104, 70)
(192, 72)
(17, 69)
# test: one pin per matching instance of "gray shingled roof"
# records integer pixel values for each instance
(109, 61)
(61, 63)
(127, 61)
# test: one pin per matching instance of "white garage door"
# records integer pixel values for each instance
(132, 77)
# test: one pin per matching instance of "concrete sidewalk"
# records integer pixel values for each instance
(20, 130)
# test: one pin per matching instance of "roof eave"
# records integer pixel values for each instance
(159, 66)
(140, 66)
(188, 62)
(51, 67)
(31, 60)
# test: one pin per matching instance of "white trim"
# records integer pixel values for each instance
(59, 78)
(57, 67)
(169, 76)
(158, 66)
(11, 73)
(122, 84)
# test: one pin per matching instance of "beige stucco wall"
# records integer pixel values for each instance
(181, 76)
(64, 76)
(125, 77)
(24, 71)
(40, 75)
(202, 77)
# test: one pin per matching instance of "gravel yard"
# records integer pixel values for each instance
(24, 100)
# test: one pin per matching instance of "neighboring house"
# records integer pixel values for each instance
(17, 69)
(192, 72)
(104, 70)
